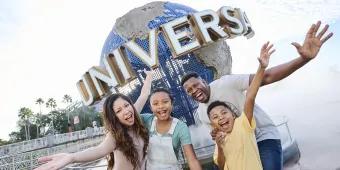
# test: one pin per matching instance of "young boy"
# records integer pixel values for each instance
(236, 144)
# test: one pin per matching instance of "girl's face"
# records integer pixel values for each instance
(124, 112)
(161, 105)
(222, 118)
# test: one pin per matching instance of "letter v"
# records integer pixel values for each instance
(151, 58)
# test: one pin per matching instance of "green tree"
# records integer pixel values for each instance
(59, 120)
(37, 116)
(25, 114)
(37, 122)
(4, 142)
(52, 104)
(86, 116)
(67, 99)
(40, 101)
(44, 120)
(16, 137)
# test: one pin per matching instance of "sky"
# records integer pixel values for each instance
(46, 45)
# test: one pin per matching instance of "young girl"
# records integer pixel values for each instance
(167, 135)
(236, 144)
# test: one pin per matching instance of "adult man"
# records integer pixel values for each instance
(230, 88)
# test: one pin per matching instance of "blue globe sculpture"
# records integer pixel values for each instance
(170, 71)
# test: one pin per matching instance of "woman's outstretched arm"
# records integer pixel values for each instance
(58, 161)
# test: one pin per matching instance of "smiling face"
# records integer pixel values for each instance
(124, 112)
(222, 118)
(198, 89)
(161, 105)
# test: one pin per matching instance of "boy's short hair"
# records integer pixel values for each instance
(187, 76)
(229, 106)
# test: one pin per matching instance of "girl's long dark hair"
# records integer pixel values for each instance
(123, 140)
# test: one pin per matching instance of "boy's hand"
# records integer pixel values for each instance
(312, 44)
(213, 133)
(220, 138)
(266, 51)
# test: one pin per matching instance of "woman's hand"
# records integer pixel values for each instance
(54, 162)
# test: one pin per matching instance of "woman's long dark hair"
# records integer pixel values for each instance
(120, 134)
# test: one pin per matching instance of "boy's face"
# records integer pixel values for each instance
(222, 118)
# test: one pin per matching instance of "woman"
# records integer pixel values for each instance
(126, 141)
(167, 135)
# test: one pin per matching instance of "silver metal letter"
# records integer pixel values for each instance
(231, 17)
(151, 58)
(207, 22)
(87, 90)
(118, 67)
(102, 80)
(176, 32)
(248, 31)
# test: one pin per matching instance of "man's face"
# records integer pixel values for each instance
(198, 89)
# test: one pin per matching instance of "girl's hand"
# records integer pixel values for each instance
(149, 74)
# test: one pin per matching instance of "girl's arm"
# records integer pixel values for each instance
(58, 161)
(191, 157)
(145, 92)
(256, 82)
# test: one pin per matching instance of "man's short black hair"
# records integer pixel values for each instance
(187, 76)
(220, 103)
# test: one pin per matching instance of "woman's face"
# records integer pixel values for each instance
(161, 105)
(124, 112)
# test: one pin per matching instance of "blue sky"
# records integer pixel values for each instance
(46, 45)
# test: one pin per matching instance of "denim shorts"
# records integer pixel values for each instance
(271, 154)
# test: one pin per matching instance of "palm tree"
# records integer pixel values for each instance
(52, 104)
(39, 101)
(67, 100)
(37, 122)
(24, 114)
